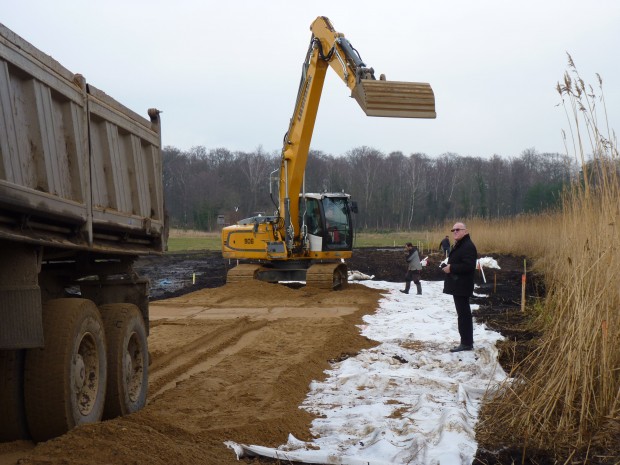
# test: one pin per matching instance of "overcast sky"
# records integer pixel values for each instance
(226, 73)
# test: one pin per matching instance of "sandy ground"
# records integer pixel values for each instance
(227, 363)
(234, 362)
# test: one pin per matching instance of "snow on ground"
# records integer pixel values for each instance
(407, 401)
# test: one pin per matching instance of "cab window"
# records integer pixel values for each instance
(337, 223)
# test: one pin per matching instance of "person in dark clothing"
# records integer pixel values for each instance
(414, 267)
(445, 246)
(459, 282)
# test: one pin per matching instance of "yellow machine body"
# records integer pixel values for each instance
(284, 246)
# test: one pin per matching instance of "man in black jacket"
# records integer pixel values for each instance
(459, 282)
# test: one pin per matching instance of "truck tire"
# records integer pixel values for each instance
(127, 359)
(65, 382)
(13, 424)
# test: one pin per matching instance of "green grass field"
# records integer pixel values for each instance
(184, 241)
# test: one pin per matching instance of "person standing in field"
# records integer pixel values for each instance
(459, 282)
(445, 246)
(414, 268)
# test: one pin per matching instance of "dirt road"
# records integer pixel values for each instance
(227, 363)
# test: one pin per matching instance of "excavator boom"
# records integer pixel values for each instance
(377, 97)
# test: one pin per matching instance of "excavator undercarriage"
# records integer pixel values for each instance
(330, 276)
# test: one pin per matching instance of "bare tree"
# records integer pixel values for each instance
(415, 169)
(393, 191)
(255, 168)
(367, 163)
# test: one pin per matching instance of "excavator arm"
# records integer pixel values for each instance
(377, 97)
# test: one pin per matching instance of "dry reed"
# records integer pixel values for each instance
(566, 395)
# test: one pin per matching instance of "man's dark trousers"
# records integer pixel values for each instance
(466, 325)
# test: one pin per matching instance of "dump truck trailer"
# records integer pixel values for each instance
(81, 198)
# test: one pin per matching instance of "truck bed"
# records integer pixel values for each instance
(78, 170)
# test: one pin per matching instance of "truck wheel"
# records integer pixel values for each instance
(64, 383)
(127, 359)
(13, 424)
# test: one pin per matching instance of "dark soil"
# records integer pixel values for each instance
(172, 275)
(176, 274)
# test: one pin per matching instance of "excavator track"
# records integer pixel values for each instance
(327, 276)
(242, 273)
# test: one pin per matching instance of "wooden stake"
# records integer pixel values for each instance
(523, 292)
(523, 280)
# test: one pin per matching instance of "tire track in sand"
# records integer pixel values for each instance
(199, 355)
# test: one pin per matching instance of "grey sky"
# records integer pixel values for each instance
(226, 74)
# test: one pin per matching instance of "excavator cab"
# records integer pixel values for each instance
(326, 222)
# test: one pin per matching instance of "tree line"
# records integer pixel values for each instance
(393, 191)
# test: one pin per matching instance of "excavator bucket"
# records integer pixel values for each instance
(395, 99)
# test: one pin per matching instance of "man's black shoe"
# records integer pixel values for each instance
(404, 292)
(461, 348)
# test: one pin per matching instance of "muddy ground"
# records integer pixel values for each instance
(233, 362)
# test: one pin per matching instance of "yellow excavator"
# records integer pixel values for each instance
(310, 235)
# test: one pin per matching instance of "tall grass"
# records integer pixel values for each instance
(425, 240)
(529, 235)
(566, 394)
